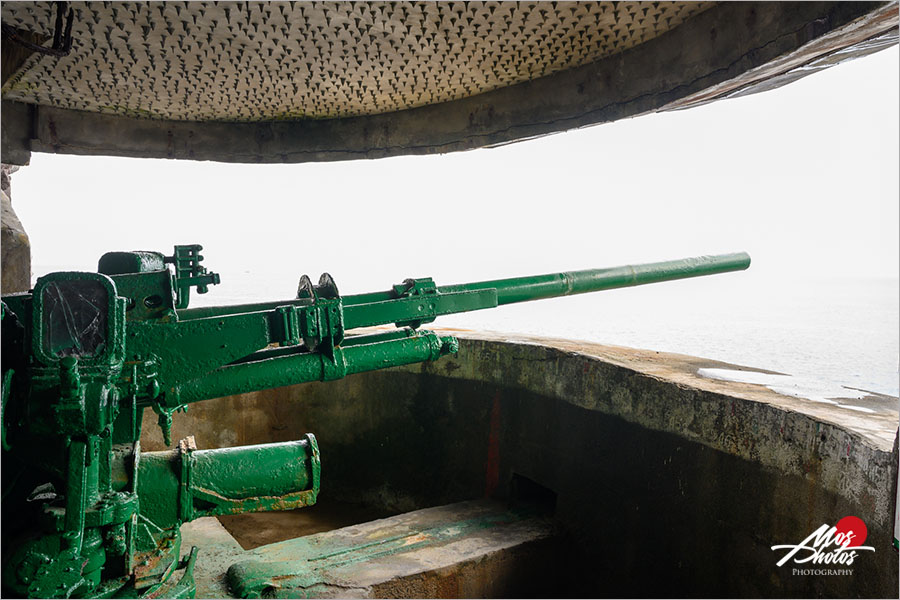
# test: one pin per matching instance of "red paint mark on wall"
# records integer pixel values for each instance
(492, 467)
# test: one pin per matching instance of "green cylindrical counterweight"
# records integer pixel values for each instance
(291, 369)
(252, 471)
(177, 486)
(537, 287)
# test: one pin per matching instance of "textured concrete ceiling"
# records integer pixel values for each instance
(314, 81)
(253, 61)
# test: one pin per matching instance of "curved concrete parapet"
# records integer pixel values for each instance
(780, 467)
(668, 483)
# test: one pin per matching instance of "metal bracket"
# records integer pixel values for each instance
(424, 286)
(186, 448)
(415, 287)
(164, 421)
(322, 325)
(62, 34)
(286, 325)
(70, 410)
(189, 273)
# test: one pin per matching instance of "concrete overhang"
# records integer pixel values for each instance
(324, 81)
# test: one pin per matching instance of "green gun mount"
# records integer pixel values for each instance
(85, 512)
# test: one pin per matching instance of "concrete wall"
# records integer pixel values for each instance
(14, 243)
(667, 484)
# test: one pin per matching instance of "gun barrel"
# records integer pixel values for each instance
(537, 287)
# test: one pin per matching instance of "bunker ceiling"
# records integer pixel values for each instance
(314, 81)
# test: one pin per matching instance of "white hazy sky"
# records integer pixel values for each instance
(804, 178)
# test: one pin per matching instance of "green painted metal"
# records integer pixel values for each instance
(123, 263)
(189, 273)
(85, 512)
(523, 289)
(272, 372)
(184, 484)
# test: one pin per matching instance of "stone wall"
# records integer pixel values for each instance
(15, 263)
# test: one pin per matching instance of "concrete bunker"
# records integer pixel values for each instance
(483, 456)
(627, 472)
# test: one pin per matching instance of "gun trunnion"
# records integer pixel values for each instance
(85, 512)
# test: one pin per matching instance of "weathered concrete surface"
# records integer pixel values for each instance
(258, 529)
(879, 430)
(729, 47)
(464, 550)
(476, 549)
(15, 263)
(654, 469)
(218, 550)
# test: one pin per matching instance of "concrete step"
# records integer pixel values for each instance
(469, 549)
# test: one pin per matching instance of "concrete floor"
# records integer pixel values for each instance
(468, 549)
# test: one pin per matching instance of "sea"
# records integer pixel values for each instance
(827, 337)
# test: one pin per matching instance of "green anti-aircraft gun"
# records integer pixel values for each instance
(85, 512)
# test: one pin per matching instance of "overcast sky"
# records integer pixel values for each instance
(804, 178)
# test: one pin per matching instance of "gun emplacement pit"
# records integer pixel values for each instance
(512, 423)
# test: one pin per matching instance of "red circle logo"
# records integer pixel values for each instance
(854, 531)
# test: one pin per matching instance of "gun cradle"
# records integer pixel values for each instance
(85, 354)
